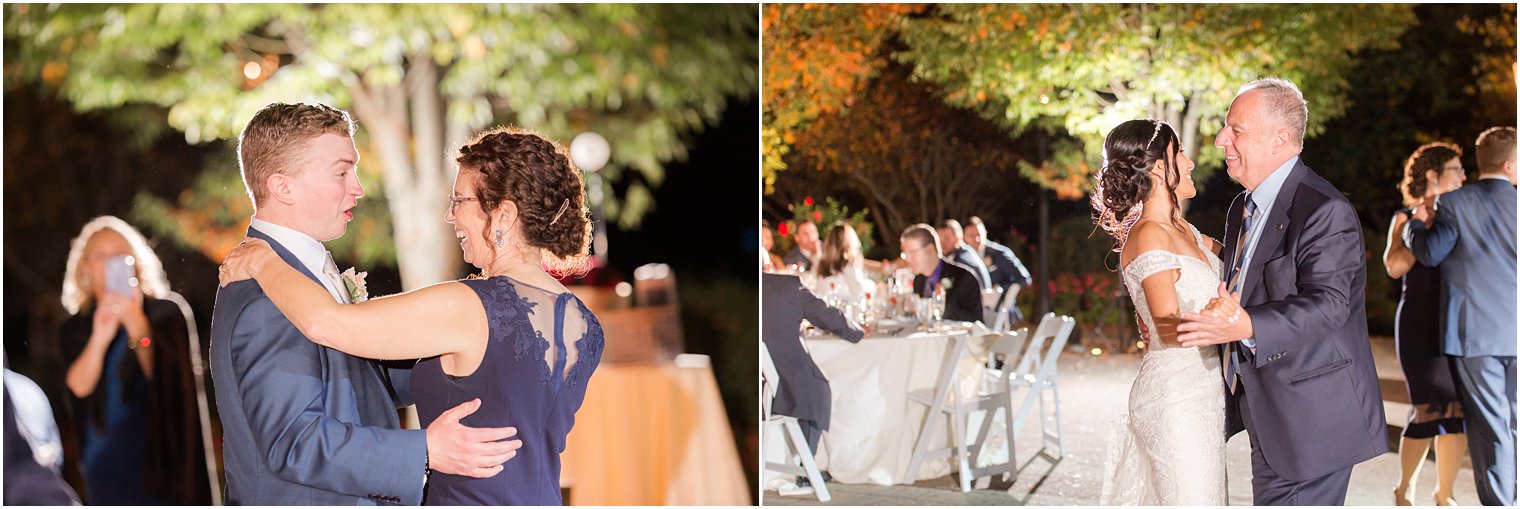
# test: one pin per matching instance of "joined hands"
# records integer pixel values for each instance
(1221, 321)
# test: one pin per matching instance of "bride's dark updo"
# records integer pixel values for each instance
(1124, 181)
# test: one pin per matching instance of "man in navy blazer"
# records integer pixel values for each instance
(304, 424)
(1003, 266)
(1470, 236)
(1297, 360)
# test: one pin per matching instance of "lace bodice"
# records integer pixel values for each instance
(543, 348)
(1197, 284)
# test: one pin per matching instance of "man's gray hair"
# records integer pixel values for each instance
(1285, 102)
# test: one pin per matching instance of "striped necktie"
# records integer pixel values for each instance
(1232, 349)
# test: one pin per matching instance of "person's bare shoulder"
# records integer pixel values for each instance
(1146, 236)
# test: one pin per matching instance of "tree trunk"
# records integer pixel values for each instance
(416, 181)
(1043, 280)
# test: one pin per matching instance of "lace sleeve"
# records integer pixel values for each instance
(1151, 262)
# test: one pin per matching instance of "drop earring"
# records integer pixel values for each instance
(498, 238)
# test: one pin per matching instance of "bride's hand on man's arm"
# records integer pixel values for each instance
(245, 261)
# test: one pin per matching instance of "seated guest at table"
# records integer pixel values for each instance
(768, 260)
(1005, 268)
(840, 269)
(804, 391)
(952, 248)
(805, 251)
(963, 295)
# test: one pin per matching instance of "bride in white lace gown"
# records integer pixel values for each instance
(1169, 448)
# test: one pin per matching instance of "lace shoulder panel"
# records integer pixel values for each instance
(1151, 262)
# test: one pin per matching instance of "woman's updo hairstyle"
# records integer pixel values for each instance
(1124, 181)
(1429, 157)
(536, 174)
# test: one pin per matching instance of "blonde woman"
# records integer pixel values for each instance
(129, 375)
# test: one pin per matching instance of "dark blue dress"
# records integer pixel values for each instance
(112, 453)
(543, 349)
(1435, 391)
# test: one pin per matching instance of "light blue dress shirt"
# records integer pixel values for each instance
(1265, 197)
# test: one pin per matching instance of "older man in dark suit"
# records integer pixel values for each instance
(1298, 362)
(1471, 238)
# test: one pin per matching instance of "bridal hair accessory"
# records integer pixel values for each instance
(1154, 133)
(562, 206)
(498, 238)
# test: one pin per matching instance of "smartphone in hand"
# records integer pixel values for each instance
(121, 274)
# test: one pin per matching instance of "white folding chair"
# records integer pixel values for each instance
(1038, 373)
(946, 399)
(800, 456)
(992, 299)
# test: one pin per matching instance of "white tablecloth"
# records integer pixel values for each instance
(874, 424)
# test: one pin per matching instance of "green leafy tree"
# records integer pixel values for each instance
(1083, 69)
(419, 79)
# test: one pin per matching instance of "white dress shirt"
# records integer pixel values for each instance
(306, 249)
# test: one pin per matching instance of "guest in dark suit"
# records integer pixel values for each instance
(1005, 268)
(804, 391)
(805, 250)
(952, 248)
(1470, 235)
(963, 294)
(1298, 363)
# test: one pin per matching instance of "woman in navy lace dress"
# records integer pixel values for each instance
(1435, 390)
(515, 338)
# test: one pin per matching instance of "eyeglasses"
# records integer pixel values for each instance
(454, 201)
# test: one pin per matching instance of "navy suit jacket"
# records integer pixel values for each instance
(1472, 241)
(1311, 385)
(804, 392)
(1005, 269)
(304, 424)
(963, 299)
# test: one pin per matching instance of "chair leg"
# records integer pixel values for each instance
(799, 444)
(920, 448)
(959, 422)
(983, 435)
(1013, 464)
(1055, 392)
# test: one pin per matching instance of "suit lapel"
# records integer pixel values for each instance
(1231, 234)
(1276, 227)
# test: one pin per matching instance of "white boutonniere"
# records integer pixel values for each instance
(354, 284)
(945, 284)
